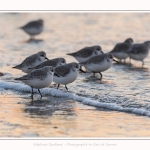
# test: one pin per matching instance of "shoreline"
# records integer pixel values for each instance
(58, 117)
(18, 88)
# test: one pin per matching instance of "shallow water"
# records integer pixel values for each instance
(91, 108)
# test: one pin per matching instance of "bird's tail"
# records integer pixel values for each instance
(20, 27)
(71, 54)
(17, 67)
(22, 78)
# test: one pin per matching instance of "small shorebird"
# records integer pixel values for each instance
(86, 53)
(120, 49)
(99, 63)
(39, 78)
(32, 61)
(139, 51)
(53, 62)
(33, 28)
(67, 74)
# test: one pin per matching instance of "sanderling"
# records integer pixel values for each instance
(53, 62)
(67, 74)
(33, 28)
(32, 61)
(39, 78)
(86, 53)
(139, 51)
(99, 63)
(120, 50)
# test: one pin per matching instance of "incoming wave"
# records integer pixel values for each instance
(86, 101)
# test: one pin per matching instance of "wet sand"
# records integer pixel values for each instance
(55, 117)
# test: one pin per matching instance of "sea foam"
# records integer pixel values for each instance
(86, 101)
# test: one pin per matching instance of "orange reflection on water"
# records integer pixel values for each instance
(68, 122)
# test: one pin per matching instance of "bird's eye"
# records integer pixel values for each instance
(52, 70)
(42, 55)
(97, 48)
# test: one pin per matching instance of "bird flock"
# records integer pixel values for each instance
(41, 72)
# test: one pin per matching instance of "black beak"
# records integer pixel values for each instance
(116, 61)
(46, 58)
(82, 70)
(56, 75)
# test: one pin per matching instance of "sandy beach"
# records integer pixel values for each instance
(66, 118)
(117, 106)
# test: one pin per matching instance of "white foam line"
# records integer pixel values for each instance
(46, 91)
(115, 107)
(87, 101)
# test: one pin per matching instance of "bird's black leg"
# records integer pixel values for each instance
(101, 75)
(142, 64)
(40, 93)
(66, 87)
(93, 73)
(58, 86)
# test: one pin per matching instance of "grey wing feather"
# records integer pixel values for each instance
(85, 52)
(46, 63)
(29, 60)
(36, 74)
(62, 70)
(55, 59)
(32, 24)
(138, 48)
(95, 59)
(121, 47)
